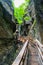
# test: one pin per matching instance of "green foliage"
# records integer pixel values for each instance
(27, 18)
(20, 11)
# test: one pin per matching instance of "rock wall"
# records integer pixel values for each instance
(39, 16)
(7, 27)
(34, 8)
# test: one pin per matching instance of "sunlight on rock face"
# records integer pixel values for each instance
(17, 3)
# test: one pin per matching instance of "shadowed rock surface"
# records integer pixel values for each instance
(7, 27)
(6, 24)
(39, 15)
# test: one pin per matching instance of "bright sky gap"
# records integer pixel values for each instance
(18, 3)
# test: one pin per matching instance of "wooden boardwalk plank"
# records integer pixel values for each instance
(33, 56)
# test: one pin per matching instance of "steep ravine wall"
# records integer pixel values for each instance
(39, 16)
(7, 48)
(33, 8)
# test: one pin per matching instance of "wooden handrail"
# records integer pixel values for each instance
(40, 45)
(20, 55)
(40, 53)
(40, 48)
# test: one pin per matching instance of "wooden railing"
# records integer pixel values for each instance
(40, 51)
(21, 59)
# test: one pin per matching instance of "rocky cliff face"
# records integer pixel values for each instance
(36, 11)
(6, 24)
(7, 27)
(39, 10)
(39, 15)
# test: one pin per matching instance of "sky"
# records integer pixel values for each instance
(17, 3)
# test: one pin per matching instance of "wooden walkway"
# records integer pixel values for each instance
(30, 54)
(33, 56)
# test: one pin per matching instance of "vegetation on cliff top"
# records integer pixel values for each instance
(20, 11)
